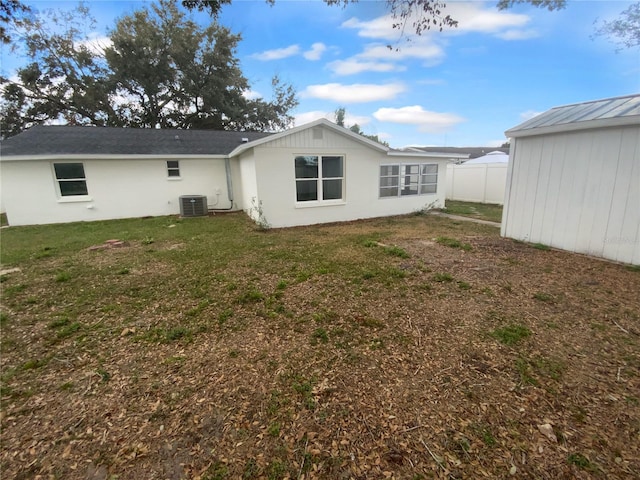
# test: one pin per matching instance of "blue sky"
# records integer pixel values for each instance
(462, 87)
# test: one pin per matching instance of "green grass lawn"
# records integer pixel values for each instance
(403, 347)
(482, 211)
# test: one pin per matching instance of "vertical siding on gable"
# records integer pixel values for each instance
(305, 140)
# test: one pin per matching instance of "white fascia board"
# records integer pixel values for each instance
(576, 126)
(81, 157)
(319, 122)
(429, 155)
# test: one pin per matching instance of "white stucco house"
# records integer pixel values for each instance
(314, 173)
(573, 180)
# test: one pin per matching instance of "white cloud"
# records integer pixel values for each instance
(425, 120)
(355, 93)
(316, 51)
(306, 117)
(352, 66)
(251, 94)
(96, 43)
(277, 54)
(518, 34)
(471, 16)
(377, 57)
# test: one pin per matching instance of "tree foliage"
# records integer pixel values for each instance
(339, 119)
(157, 69)
(10, 11)
(624, 30)
(419, 15)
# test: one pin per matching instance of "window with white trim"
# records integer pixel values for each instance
(319, 178)
(71, 179)
(173, 168)
(401, 179)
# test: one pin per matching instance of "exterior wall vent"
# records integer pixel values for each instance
(193, 206)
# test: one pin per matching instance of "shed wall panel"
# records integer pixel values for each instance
(578, 191)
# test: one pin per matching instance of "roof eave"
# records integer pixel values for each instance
(319, 122)
(517, 132)
(122, 156)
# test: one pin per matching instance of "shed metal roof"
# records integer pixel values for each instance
(598, 113)
(75, 140)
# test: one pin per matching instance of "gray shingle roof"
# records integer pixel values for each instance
(596, 111)
(73, 140)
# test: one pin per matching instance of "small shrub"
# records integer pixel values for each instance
(281, 285)
(370, 243)
(147, 241)
(176, 333)
(511, 334)
(464, 285)
(123, 271)
(4, 318)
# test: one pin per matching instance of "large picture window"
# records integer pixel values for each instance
(399, 180)
(319, 178)
(71, 179)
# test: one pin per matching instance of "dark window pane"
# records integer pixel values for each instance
(389, 182)
(430, 169)
(429, 179)
(306, 190)
(69, 188)
(306, 167)
(410, 169)
(174, 172)
(331, 189)
(428, 188)
(173, 164)
(409, 190)
(68, 170)
(389, 192)
(331, 167)
(386, 170)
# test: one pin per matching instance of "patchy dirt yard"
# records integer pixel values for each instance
(409, 348)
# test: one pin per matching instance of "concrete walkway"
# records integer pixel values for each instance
(466, 219)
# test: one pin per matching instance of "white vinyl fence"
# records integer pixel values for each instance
(481, 182)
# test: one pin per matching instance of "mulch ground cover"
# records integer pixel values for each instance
(415, 347)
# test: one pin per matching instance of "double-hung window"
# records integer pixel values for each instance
(319, 178)
(398, 180)
(173, 168)
(71, 179)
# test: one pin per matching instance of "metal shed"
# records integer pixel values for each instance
(573, 180)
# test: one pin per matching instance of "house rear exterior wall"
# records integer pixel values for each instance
(118, 188)
(577, 191)
(274, 166)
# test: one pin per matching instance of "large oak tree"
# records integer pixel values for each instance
(156, 69)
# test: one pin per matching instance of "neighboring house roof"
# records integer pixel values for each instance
(75, 140)
(609, 112)
(458, 152)
(491, 157)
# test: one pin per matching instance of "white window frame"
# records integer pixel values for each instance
(319, 182)
(62, 198)
(404, 180)
(173, 169)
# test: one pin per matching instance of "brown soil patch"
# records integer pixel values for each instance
(387, 372)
